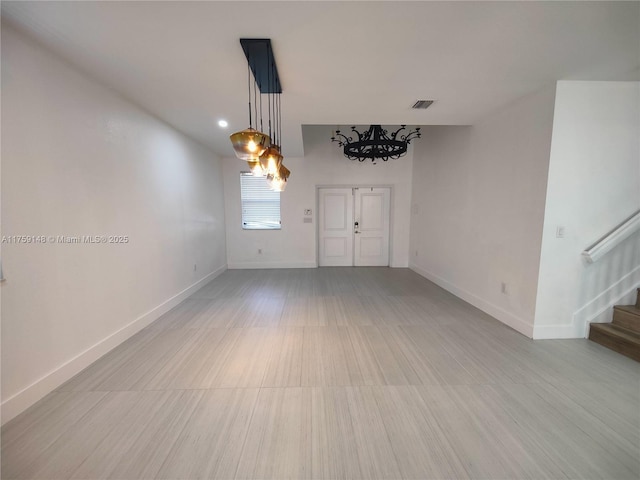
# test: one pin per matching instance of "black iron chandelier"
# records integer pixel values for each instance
(375, 143)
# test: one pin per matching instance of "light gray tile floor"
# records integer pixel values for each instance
(334, 373)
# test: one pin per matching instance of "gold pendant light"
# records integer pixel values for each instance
(277, 173)
(249, 144)
(263, 157)
(256, 168)
(270, 160)
(278, 181)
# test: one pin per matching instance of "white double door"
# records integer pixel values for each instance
(353, 226)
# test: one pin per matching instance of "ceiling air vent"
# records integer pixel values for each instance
(422, 104)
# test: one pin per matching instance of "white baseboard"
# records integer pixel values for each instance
(508, 318)
(22, 400)
(258, 265)
(599, 309)
(554, 332)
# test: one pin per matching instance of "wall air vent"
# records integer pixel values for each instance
(422, 104)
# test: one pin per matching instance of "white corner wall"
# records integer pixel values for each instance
(323, 165)
(478, 208)
(594, 184)
(77, 159)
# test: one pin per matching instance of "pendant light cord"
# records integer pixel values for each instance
(280, 121)
(255, 99)
(269, 98)
(275, 103)
(249, 87)
(261, 126)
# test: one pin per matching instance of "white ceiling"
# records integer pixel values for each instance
(339, 62)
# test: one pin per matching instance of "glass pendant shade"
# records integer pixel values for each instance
(256, 168)
(249, 144)
(278, 181)
(271, 160)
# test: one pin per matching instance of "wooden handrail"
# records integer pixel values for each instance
(613, 238)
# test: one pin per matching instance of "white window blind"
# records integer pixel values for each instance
(260, 206)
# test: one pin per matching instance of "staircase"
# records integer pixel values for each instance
(623, 334)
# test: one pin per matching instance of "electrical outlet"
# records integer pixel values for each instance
(504, 289)
(560, 231)
(259, 251)
(195, 267)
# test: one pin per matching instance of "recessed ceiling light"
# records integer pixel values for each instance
(223, 123)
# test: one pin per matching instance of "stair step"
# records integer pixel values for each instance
(627, 316)
(616, 338)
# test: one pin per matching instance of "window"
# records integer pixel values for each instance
(260, 206)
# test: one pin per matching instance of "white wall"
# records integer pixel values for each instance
(478, 206)
(594, 184)
(79, 160)
(323, 164)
